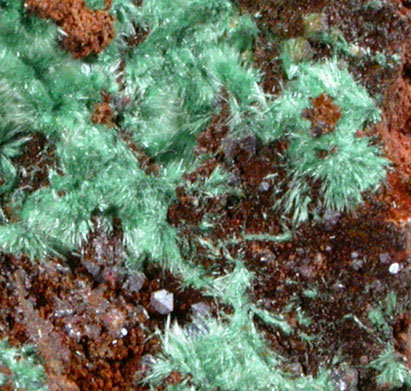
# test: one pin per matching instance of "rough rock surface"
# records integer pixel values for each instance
(86, 31)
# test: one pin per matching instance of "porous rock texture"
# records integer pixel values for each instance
(94, 322)
(85, 31)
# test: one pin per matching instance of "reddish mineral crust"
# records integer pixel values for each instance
(87, 32)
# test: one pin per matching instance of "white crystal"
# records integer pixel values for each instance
(394, 268)
(163, 302)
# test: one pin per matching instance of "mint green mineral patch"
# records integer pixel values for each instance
(227, 353)
(193, 52)
(172, 81)
(392, 372)
(25, 370)
(351, 164)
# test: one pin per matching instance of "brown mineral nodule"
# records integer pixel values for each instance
(88, 31)
(323, 115)
(174, 378)
(103, 114)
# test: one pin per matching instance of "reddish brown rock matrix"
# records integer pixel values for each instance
(87, 31)
(103, 113)
(323, 115)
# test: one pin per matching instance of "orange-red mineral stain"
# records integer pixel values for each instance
(398, 198)
(103, 114)
(88, 31)
(396, 126)
(323, 115)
